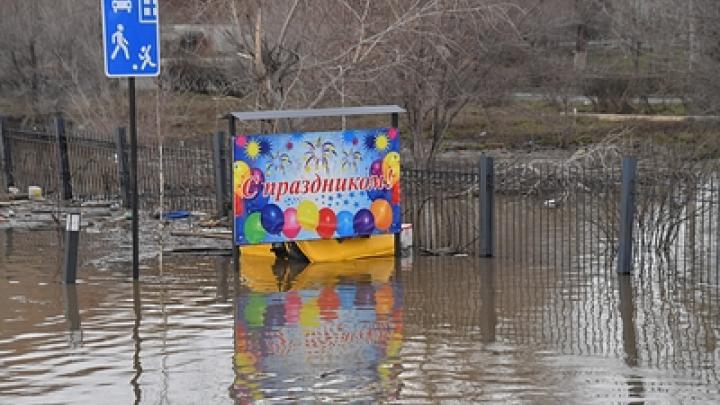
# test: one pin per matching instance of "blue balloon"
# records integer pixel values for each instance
(345, 224)
(397, 219)
(346, 293)
(272, 219)
(256, 203)
(239, 226)
(375, 194)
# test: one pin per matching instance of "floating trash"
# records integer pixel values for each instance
(173, 215)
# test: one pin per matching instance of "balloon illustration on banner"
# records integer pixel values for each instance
(396, 194)
(308, 217)
(272, 219)
(363, 222)
(376, 169)
(257, 203)
(239, 205)
(382, 212)
(254, 231)
(396, 214)
(241, 171)
(345, 224)
(256, 184)
(330, 185)
(327, 223)
(391, 168)
(291, 227)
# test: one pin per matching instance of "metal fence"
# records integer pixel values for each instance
(561, 212)
(95, 170)
(442, 204)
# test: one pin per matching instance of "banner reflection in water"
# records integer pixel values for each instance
(332, 325)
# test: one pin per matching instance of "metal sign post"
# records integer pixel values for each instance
(133, 179)
(131, 44)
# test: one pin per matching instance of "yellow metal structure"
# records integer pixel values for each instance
(333, 250)
(266, 274)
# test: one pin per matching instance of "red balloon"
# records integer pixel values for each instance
(239, 205)
(327, 223)
(396, 193)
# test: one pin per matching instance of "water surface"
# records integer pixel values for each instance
(437, 329)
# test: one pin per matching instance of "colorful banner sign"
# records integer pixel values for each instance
(316, 185)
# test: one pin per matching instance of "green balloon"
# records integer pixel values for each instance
(255, 310)
(254, 231)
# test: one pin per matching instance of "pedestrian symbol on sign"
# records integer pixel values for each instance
(118, 39)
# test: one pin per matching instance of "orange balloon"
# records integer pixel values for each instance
(382, 212)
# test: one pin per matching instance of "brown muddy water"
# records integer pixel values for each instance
(432, 330)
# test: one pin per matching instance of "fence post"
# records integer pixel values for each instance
(487, 206)
(72, 237)
(63, 160)
(229, 192)
(232, 129)
(220, 172)
(627, 215)
(394, 123)
(6, 155)
(122, 165)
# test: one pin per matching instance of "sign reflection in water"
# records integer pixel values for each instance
(335, 325)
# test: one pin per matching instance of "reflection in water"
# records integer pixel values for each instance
(72, 313)
(321, 332)
(573, 333)
(137, 365)
(451, 330)
(627, 314)
(221, 272)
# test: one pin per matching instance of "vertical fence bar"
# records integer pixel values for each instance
(122, 166)
(487, 206)
(6, 154)
(220, 175)
(63, 160)
(229, 192)
(627, 215)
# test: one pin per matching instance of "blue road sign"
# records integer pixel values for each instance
(131, 37)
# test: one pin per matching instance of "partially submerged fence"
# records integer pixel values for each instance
(567, 213)
(560, 212)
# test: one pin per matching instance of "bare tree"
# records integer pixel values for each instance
(51, 61)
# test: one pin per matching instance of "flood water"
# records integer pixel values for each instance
(429, 330)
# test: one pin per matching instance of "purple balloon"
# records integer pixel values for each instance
(258, 176)
(376, 168)
(363, 222)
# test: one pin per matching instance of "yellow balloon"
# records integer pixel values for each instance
(307, 215)
(241, 172)
(391, 168)
(310, 314)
